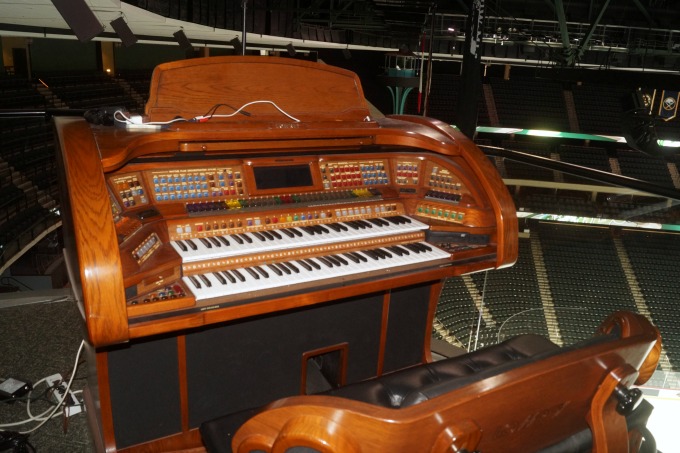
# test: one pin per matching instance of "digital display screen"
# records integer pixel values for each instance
(282, 177)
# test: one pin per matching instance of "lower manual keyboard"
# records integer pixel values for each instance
(317, 269)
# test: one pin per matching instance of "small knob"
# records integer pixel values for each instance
(629, 399)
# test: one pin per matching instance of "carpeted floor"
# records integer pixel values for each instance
(38, 340)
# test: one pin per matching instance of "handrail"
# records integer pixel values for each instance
(584, 172)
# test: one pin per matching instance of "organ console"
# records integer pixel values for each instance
(257, 228)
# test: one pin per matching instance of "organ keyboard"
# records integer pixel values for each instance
(186, 231)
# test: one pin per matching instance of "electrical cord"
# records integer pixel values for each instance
(207, 117)
(135, 121)
(50, 413)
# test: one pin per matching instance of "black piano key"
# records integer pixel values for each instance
(182, 245)
(291, 266)
(385, 253)
(321, 229)
(359, 256)
(283, 268)
(205, 242)
(205, 280)
(295, 232)
(215, 242)
(229, 276)
(258, 235)
(312, 263)
(341, 259)
(287, 232)
(191, 244)
(275, 234)
(352, 225)
(246, 238)
(238, 275)
(371, 254)
(261, 271)
(267, 234)
(224, 241)
(219, 277)
(308, 229)
(376, 221)
(237, 238)
(397, 250)
(365, 223)
(352, 257)
(252, 273)
(413, 247)
(195, 282)
(276, 270)
(324, 261)
(335, 227)
(305, 265)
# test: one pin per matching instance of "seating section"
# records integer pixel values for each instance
(16, 92)
(513, 301)
(21, 229)
(598, 108)
(583, 276)
(586, 278)
(457, 312)
(529, 103)
(637, 165)
(89, 90)
(28, 174)
(138, 81)
(584, 156)
(518, 170)
(655, 258)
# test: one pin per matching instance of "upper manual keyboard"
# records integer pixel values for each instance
(229, 245)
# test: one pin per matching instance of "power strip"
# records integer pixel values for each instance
(71, 403)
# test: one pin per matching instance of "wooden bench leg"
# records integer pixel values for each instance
(610, 432)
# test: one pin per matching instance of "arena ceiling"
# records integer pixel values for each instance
(651, 27)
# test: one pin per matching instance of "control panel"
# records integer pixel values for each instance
(354, 173)
(263, 184)
(188, 184)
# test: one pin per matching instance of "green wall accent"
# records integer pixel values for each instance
(49, 55)
(145, 56)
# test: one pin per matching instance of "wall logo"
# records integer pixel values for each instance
(669, 104)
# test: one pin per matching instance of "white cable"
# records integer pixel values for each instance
(199, 118)
(52, 411)
(135, 122)
(131, 121)
(64, 395)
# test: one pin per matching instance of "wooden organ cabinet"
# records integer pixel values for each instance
(257, 221)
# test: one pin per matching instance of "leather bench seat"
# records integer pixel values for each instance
(412, 385)
(408, 386)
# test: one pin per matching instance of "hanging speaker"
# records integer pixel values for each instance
(291, 50)
(123, 31)
(183, 41)
(79, 18)
(638, 125)
(238, 47)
